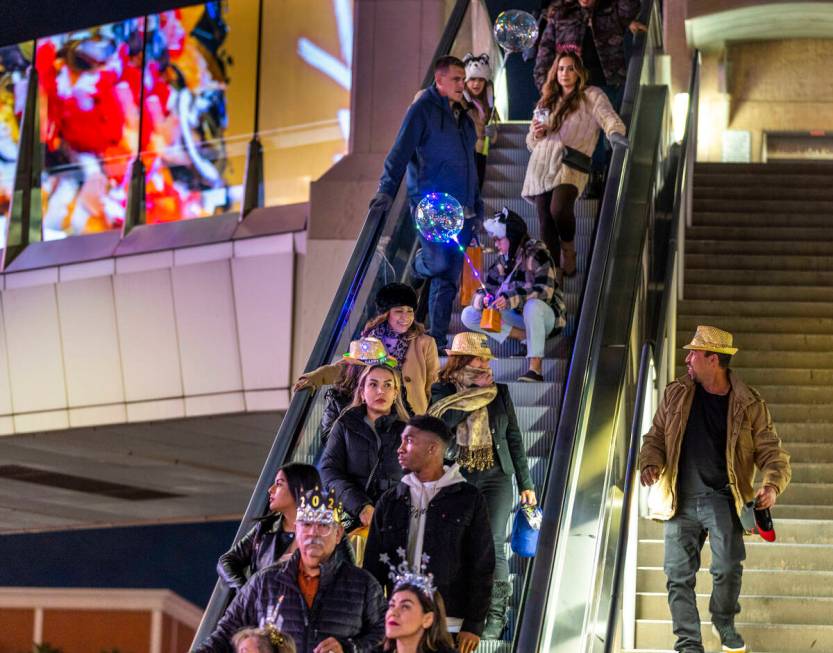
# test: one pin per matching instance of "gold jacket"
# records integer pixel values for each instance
(751, 441)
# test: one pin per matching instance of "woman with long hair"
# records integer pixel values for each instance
(415, 622)
(360, 460)
(489, 449)
(273, 535)
(561, 138)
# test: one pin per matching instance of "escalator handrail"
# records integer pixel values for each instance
(324, 349)
(680, 189)
(534, 605)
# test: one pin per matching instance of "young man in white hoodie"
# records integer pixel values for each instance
(434, 512)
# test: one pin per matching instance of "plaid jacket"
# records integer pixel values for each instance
(609, 20)
(534, 279)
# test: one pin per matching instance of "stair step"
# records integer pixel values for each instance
(773, 234)
(768, 324)
(755, 581)
(760, 638)
(704, 245)
(758, 292)
(759, 220)
(808, 494)
(717, 275)
(509, 369)
(805, 432)
(809, 452)
(788, 531)
(785, 180)
(793, 610)
(749, 341)
(759, 262)
(739, 308)
(773, 359)
(790, 511)
(764, 191)
(774, 170)
(763, 205)
(557, 347)
(756, 376)
(773, 556)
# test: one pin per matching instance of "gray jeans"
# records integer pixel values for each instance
(713, 515)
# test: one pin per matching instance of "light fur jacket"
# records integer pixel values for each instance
(420, 370)
(580, 130)
(751, 441)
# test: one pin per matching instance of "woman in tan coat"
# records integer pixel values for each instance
(562, 137)
(405, 341)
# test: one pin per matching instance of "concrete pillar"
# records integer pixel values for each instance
(393, 45)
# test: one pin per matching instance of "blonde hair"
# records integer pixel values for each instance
(264, 643)
(552, 93)
(398, 405)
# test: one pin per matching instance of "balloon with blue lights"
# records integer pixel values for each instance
(439, 217)
(516, 30)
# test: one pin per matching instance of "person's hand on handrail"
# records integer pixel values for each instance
(382, 202)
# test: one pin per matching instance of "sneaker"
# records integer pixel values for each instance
(531, 377)
(730, 639)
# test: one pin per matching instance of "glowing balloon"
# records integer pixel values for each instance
(439, 217)
(516, 30)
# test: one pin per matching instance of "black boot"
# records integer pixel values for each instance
(498, 610)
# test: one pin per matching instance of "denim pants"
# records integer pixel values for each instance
(496, 488)
(538, 319)
(685, 534)
(441, 264)
(601, 155)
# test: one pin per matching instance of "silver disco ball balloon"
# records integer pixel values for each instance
(516, 30)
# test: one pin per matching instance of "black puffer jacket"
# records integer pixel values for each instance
(262, 546)
(359, 463)
(334, 403)
(458, 541)
(508, 444)
(349, 606)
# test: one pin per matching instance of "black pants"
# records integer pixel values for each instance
(685, 534)
(497, 490)
(557, 217)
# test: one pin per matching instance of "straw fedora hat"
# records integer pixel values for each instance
(709, 338)
(469, 344)
(368, 351)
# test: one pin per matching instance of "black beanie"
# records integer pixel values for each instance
(393, 295)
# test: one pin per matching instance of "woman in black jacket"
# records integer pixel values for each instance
(360, 460)
(489, 448)
(273, 535)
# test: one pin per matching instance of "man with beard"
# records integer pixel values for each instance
(709, 434)
(318, 597)
(434, 515)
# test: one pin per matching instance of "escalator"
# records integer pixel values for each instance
(571, 484)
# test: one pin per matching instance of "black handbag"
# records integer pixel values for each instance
(573, 158)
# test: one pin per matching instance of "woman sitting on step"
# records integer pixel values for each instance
(562, 136)
(522, 286)
(489, 449)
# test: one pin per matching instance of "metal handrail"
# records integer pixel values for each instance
(323, 351)
(534, 605)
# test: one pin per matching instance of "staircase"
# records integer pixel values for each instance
(759, 263)
(537, 404)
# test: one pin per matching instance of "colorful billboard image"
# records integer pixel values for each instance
(14, 67)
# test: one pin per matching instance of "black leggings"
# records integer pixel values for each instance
(556, 216)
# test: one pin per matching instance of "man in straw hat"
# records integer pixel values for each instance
(318, 597)
(710, 432)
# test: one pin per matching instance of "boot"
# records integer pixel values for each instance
(568, 258)
(498, 610)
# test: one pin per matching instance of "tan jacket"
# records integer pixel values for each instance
(751, 442)
(420, 370)
(580, 130)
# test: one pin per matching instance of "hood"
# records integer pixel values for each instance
(452, 476)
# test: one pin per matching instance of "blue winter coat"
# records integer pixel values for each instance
(438, 151)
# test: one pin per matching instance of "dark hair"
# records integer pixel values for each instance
(348, 378)
(431, 424)
(722, 359)
(454, 364)
(442, 64)
(436, 636)
(300, 478)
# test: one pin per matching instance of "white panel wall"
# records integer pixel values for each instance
(197, 331)
(90, 342)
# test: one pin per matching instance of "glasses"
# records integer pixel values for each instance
(321, 529)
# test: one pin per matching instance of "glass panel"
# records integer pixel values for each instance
(198, 108)
(307, 130)
(14, 76)
(88, 87)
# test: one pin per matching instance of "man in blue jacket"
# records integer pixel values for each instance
(436, 145)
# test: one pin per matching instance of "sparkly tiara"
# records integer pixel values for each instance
(403, 574)
(319, 507)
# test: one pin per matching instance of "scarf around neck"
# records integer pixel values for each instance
(474, 435)
(397, 344)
